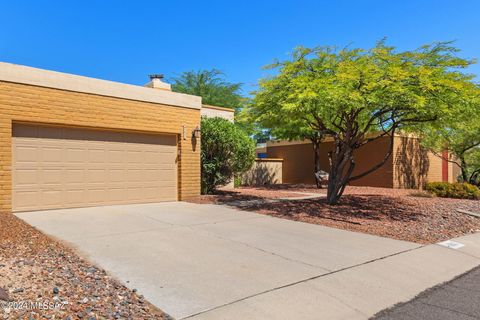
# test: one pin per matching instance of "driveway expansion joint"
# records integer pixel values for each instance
(302, 281)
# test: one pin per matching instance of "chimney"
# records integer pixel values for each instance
(157, 83)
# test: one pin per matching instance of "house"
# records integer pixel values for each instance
(410, 166)
(71, 141)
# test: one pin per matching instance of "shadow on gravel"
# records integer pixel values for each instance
(350, 207)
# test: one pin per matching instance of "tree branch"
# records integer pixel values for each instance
(380, 164)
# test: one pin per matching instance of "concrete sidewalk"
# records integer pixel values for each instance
(215, 262)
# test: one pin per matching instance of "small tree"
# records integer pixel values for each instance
(226, 151)
(358, 96)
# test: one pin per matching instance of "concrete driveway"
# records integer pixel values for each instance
(215, 262)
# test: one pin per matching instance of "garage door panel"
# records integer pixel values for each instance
(25, 154)
(75, 196)
(116, 175)
(76, 154)
(26, 176)
(51, 176)
(64, 167)
(26, 199)
(96, 155)
(52, 154)
(73, 175)
(52, 198)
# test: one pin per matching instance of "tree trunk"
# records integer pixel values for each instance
(464, 169)
(316, 161)
(341, 169)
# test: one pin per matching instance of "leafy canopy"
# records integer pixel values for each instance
(357, 96)
(211, 86)
(459, 133)
(322, 90)
(226, 151)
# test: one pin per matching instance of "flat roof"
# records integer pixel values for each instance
(206, 106)
(64, 81)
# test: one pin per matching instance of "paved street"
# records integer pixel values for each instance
(458, 299)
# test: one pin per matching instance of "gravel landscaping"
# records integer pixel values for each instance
(45, 279)
(394, 213)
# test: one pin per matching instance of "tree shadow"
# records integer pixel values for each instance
(260, 175)
(350, 208)
(411, 164)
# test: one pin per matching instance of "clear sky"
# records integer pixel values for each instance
(127, 40)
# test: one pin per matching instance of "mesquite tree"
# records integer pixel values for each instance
(357, 96)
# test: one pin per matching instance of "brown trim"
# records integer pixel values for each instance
(67, 125)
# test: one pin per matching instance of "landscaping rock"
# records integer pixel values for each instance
(393, 213)
(32, 262)
(4, 295)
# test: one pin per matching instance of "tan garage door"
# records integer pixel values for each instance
(56, 167)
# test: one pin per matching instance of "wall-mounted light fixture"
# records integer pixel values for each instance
(196, 133)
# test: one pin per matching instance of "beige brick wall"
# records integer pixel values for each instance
(27, 103)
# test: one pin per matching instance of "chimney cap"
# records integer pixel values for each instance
(156, 76)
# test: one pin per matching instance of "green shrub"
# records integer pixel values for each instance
(226, 151)
(454, 190)
(237, 182)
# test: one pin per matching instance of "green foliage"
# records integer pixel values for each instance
(211, 86)
(237, 182)
(226, 151)
(357, 96)
(459, 134)
(454, 190)
(377, 88)
(473, 166)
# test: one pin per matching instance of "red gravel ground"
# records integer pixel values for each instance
(35, 268)
(394, 213)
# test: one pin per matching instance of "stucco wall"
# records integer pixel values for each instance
(35, 104)
(212, 111)
(298, 163)
(264, 172)
(414, 166)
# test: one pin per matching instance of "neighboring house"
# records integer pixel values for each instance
(71, 141)
(410, 166)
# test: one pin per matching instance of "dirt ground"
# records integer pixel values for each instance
(45, 279)
(394, 213)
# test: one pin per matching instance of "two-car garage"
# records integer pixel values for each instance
(59, 167)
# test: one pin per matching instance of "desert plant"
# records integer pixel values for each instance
(226, 151)
(454, 190)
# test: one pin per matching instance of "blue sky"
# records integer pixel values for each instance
(127, 40)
